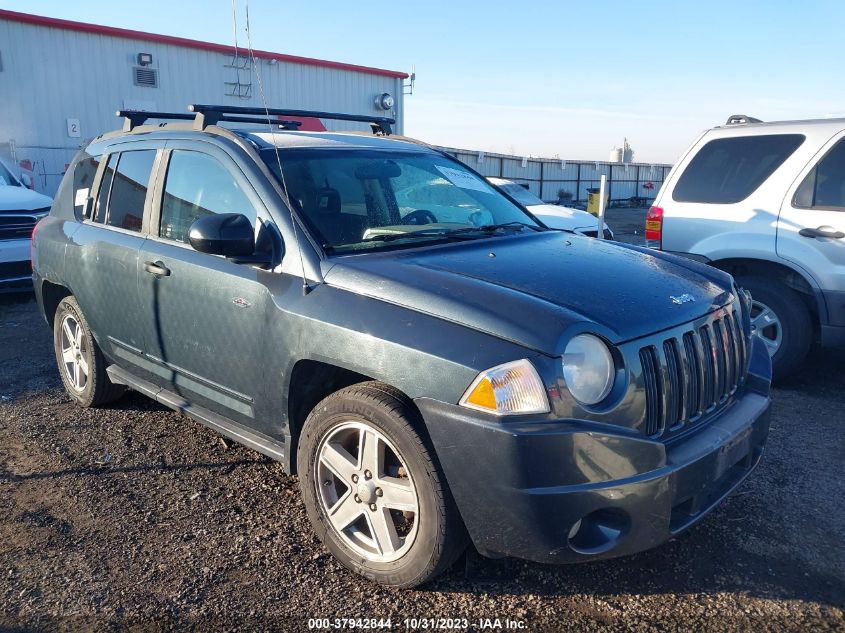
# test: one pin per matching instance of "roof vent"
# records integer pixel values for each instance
(145, 77)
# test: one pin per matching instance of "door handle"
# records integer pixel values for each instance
(822, 231)
(157, 268)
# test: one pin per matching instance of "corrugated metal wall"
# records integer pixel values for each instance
(49, 75)
(545, 177)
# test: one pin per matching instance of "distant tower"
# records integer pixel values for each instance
(627, 152)
(622, 154)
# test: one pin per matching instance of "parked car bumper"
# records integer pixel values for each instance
(15, 266)
(570, 491)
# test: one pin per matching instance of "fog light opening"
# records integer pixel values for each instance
(599, 531)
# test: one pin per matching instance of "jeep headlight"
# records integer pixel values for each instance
(588, 369)
(509, 389)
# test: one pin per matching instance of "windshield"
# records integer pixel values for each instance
(358, 200)
(521, 194)
(6, 178)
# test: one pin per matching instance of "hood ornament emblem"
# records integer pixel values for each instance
(684, 298)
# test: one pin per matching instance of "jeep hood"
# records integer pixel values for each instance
(538, 289)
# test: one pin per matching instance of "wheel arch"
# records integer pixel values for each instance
(311, 381)
(51, 295)
(792, 278)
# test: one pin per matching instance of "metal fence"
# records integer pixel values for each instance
(629, 184)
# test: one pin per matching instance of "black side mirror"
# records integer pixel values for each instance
(227, 234)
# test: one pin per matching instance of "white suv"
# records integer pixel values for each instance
(20, 209)
(766, 203)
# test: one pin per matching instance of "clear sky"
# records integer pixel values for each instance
(544, 78)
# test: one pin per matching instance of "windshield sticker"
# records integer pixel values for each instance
(80, 198)
(463, 179)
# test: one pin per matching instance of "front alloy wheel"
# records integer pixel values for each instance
(372, 487)
(365, 490)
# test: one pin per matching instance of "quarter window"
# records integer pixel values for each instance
(728, 170)
(129, 189)
(198, 185)
(83, 178)
(824, 186)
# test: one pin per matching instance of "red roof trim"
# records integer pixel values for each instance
(99, 29)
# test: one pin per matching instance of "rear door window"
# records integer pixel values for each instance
(728, 170)
(129, 189)
(824, 186)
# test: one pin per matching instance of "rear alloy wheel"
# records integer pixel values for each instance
(372, 489)
(780, 319)
(81, 363)
(766, 326)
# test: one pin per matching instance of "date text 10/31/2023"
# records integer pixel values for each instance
(417, 624)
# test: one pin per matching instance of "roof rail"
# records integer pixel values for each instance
(134, 118)
(740, 119)
(213, 114)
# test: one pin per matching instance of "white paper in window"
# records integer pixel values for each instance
(463, 179)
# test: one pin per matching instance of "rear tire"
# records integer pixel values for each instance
(401, 548)
(81, 363)
(787, 330)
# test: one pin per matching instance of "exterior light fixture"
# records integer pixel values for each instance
(384, 101)
(145, 59)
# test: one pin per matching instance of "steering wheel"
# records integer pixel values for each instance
(420, 216)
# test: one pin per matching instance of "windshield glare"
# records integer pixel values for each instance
(354, 199)
(521, 194)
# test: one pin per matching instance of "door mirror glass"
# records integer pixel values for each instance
(227, 234)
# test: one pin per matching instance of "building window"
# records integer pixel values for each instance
(147, 77)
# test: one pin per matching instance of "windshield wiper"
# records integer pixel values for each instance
(462, 233)
(391, 237)
(492, 228)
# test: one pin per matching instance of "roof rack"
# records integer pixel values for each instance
(740, 119)
(134, 118)
(212, 114)
(205, 115)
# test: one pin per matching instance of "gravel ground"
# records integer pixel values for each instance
(134, 517)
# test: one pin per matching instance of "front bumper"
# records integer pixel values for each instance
(522, 487)
(15, 266)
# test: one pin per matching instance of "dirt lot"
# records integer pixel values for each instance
(133, 516)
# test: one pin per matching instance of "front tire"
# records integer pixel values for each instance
(372, 490)
(781, 320)
(81, 363)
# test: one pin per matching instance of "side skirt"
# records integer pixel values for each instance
(223, 425)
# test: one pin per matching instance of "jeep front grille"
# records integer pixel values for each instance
(690, 375)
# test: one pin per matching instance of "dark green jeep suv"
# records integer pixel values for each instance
(436, 365)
